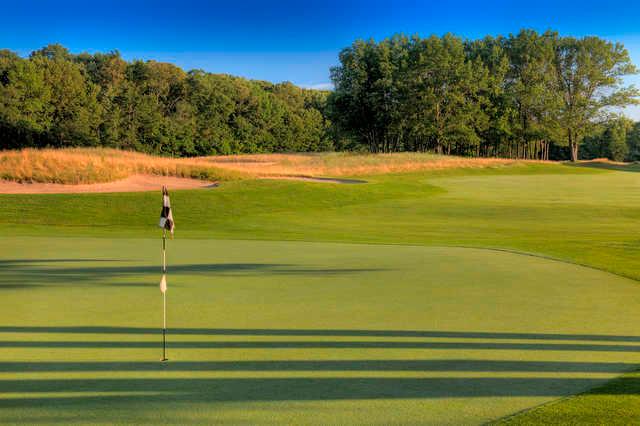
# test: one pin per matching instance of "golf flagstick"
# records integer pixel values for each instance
(163, 289)
(166, 222)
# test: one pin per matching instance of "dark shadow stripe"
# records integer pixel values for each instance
(326, 345)
(317, 332)
(332, 365)
(178, 390)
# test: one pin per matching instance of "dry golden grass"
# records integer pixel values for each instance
(97, 165)
(603, 160)
(348, 164)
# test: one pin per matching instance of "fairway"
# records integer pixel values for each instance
(300, 332)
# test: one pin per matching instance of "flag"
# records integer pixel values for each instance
(166, 217)
(163, 283)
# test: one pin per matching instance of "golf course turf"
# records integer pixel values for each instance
(437, 297)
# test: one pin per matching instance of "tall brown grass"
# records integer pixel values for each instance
(349, 164)
(95, 165)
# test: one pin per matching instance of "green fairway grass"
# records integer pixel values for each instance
(442, 297)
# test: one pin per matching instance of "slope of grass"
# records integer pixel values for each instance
(576, 214)
(615, 403)
(580, 215)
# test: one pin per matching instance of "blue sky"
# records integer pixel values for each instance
(287, 40)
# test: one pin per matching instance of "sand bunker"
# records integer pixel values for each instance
(138, 183)
(135, 183)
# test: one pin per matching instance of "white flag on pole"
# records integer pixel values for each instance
(163, 284)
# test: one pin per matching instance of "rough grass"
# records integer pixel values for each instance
(351, 164)
(98, 165)
(606, 164)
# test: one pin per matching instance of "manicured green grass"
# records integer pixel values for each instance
(295, 332)
(407, 328)
(587, 216)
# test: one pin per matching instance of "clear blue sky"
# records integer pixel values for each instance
(287, 40)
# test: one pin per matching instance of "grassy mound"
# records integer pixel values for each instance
(353, 164)
(97, 165)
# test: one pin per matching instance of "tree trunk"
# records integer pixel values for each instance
(573, 146)
(574, 152)
(546, 151)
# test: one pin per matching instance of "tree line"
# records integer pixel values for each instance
(617, 139)
(527, 95)
(58, 99)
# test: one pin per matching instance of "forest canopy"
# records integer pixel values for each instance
(525, 95)
(56, 99)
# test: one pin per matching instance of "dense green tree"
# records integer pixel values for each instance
(73, 105)
(633, 142)
(55, 98)
(496, 105)
(445, 99)
(25, 108)
(512, 96)
(53, 52)
(590, 72)
(616, 138)
(367, 96)
(613, 139)
(531, 88)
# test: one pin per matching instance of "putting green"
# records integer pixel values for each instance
(295, 332)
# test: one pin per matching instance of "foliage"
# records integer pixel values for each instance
(507, 96)
(57, 99)
(633, 142)
(615, 139)
(525, 95)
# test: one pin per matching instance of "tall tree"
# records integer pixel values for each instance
(531, 85)
(616, 138)
(633, 142)
(73, 102)
(25, 108)
(590, 76)
(366, 97)
(495, 102)
(444, 95)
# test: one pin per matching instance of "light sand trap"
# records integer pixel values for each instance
(135, 183)
(139, 183)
